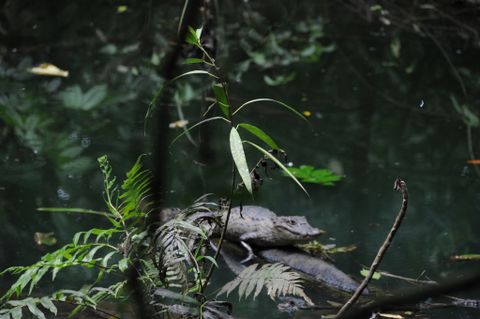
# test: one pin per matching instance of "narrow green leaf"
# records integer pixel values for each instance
(191, 36)
(107, 258)
(291, 109)
(194, 60)
(198, 33)
(70, 210)
(16, 313)
(199, 123)
(123, 264)
(175, 296)
(48, 304)
(32, 307)
(210, 258)
(239, 158)
(260, 134)
(194, 72)
(276, 161)
(221, 97)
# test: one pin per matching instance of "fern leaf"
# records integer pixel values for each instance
(278, 279)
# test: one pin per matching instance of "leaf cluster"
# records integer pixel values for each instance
(107, 250)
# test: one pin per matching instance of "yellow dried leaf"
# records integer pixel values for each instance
(388, 315)
(178, 124)
(48, 70)
(46, 239)
(121, 9)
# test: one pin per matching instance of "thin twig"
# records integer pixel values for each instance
(224, 229)
(401, 186)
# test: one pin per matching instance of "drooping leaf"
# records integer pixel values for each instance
(197, 124)
(221, 97)
(239, 159)
(195, 72)
(276, 161)
(291, 109)
(260, 134)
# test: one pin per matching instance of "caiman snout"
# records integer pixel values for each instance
(316, 232)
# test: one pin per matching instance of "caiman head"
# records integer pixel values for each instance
(295, 229)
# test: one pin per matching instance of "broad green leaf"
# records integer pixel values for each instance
(199, 123)
(364, 272)
(291, 109)
(74, 98)
(309, 174)
(194, 60)
(260, 134)
(221, 97)
(239, 158)
(194, 72)
(276, 161)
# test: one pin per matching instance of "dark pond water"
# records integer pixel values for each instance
(380, 98)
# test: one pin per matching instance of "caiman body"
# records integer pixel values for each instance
(260, 226)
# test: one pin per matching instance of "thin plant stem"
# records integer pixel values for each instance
(401, 186)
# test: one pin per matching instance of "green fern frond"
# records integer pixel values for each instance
(278, 279)
(128, 201)
(135, 191)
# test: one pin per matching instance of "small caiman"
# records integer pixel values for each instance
(261, 227)
(258, 226)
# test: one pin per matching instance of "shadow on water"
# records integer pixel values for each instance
(383, 99)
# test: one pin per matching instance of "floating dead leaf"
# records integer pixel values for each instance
(474, 162)
(465, 257)
(178, 124)
(44, 239)
(390, 315)
(307, 113)
(376, 275)
(121, 9)
(48, 69)
(342, 249)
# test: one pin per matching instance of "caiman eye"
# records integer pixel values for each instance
(292, 222)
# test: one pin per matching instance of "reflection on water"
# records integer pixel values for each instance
(382, 100)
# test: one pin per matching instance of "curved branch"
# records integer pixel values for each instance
(400, 186)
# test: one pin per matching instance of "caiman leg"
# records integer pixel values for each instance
(243, 240)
